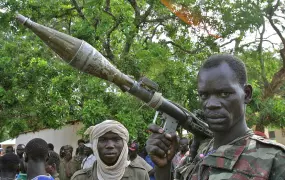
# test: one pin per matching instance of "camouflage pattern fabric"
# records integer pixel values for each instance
(252, 158)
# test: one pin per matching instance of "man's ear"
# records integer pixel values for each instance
(26, 158)
(248, 93)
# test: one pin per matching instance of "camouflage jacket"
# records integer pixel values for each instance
(253, 158)
(134, 171)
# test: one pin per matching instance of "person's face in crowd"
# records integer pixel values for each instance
(87, 151)
(50, 168)
(223, 98)
(183, 145)
(81, 148)
(68, 153)
(81, 144)
(20, 150)
(61, 152)
(109, 147)
(132, 154)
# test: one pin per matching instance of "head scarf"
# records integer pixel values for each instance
(104, 171)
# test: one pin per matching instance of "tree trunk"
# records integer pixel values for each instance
(259, 127)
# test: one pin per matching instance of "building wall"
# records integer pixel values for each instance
(277, 134)
(280, 136)
(67, 135)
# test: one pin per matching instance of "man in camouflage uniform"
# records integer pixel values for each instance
(234, 152)
(109, 143)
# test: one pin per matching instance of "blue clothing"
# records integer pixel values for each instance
(149, 161)
(43, 177)
(21, 176)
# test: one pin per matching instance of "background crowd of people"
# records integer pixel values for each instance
(38, 160)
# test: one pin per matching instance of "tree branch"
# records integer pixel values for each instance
(78, 9)
(130, 37)
(261, 60)
(152, 34)
(183, 49)
(271, 12)
(228, 42)
(107, 42)
(278, 79)
(147, 12)
(135, 7)
(108, 10)
(162, 19)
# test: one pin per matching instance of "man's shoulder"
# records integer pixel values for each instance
(140, 161)
(268, 142)
(136, 164)
(82, 174)
(136, 171)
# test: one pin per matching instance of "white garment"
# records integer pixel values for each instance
(88, 162)
(104, 171)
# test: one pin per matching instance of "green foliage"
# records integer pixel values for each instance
(142, 39)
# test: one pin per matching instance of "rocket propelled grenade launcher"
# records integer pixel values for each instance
(86, 58)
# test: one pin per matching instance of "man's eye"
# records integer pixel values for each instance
(102, 139)
(224, 94)
(117, 139)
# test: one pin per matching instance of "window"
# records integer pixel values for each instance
(272, 134)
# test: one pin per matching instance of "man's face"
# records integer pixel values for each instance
(68, 153)
(109, 147)
(50, 169)
(222, 97)
(20, 150)
(81, 144)
(61, 152)
(183, 145)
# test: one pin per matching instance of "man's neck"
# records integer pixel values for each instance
(67, 160)
(223, 138)
(35, 169)
(133, 157)
(53, 173)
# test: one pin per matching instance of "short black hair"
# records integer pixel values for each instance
(21, 145)
(53, 158)
(37, 149)
(10, 162)
(234, 63)
(50, 146)
(80, 141)
(8, 151)
(69, 147)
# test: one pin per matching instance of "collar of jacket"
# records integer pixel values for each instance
(95, 177)
(226, 156)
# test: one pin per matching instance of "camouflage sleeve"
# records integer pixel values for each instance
(278, 169)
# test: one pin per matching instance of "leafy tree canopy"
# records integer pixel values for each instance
(142, 38)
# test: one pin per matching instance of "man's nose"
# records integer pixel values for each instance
(213, 103)
(110, 144)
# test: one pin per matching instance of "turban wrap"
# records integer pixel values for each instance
(116, 171)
